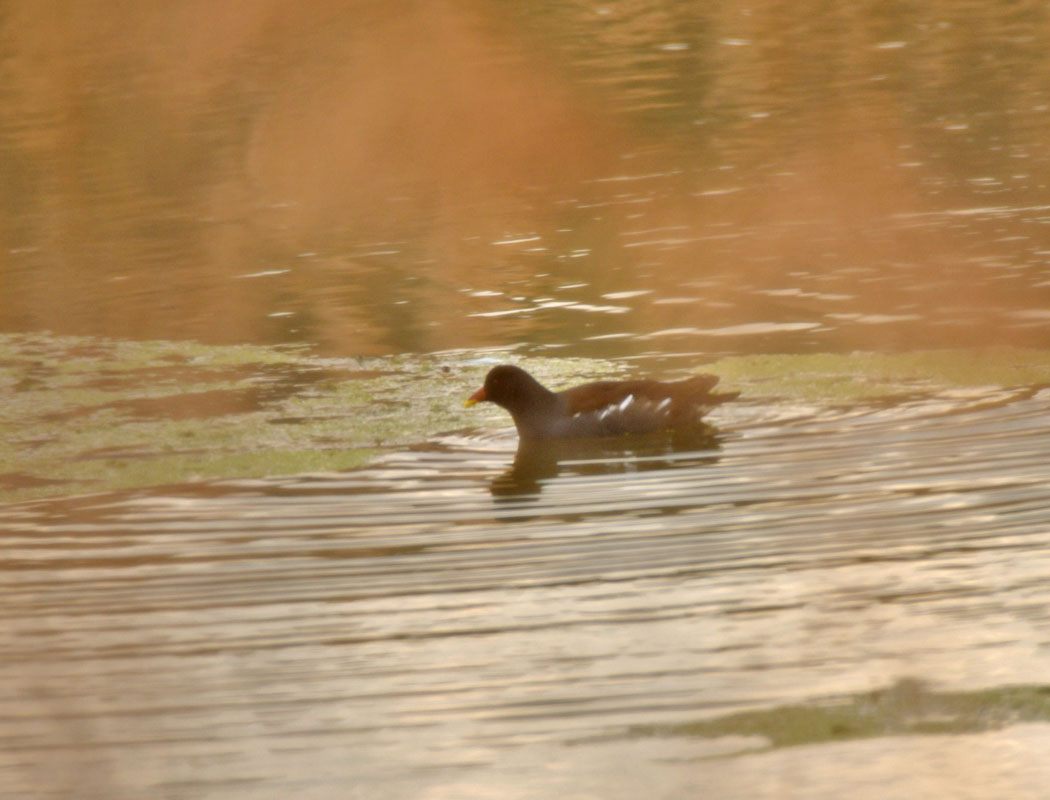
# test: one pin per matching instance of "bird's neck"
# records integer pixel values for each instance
(534, 419)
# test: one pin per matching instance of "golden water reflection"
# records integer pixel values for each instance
(379, 180)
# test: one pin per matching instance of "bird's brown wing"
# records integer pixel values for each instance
(603, 394)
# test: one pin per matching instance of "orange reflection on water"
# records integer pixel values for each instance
(376, 180)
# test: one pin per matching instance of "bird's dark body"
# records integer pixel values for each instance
(602, 408)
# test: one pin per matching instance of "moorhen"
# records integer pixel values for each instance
(603, 408)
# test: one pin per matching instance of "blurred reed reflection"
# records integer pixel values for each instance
(374, 180)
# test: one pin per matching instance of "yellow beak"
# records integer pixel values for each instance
(477, 397)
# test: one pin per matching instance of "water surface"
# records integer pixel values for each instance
(431, 625)
(251, 263)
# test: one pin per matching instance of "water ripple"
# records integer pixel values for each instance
(435, 602)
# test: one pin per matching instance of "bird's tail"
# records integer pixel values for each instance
(700, 386)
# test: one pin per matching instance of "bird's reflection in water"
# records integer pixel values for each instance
(537, 462)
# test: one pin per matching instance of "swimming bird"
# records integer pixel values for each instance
(602, 408)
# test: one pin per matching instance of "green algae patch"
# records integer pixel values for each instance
(90, 415)
(908, 708)
(862, 376)
(86, 415)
